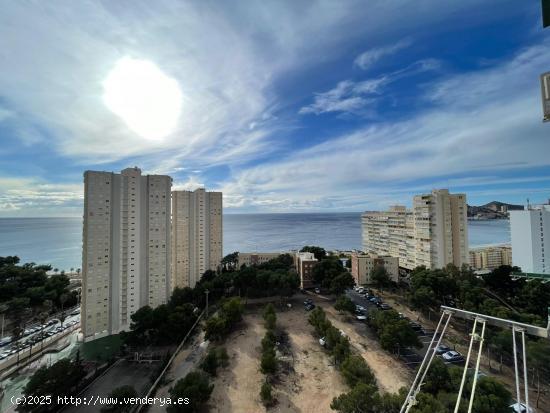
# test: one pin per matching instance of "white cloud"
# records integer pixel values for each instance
(33, 196)
(485, 124)
(356, 97)
(367, 59)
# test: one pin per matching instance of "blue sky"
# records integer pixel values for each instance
(284, 106)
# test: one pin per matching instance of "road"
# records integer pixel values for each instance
(412, 358)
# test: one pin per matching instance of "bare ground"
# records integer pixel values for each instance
(390, 373)
(307, 383)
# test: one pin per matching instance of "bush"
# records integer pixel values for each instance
(343, 303)
(266, 394)
(268, 363)
(196, 388)
(216, 357)
(270, 321)
(355, 370)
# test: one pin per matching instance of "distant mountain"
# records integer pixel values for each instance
(492, 210)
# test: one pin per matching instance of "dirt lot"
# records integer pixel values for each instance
(308, 386)
(390, 373)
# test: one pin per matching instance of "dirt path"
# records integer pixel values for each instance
(390, 373)
(237, 387)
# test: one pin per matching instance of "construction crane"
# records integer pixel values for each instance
(477, 336)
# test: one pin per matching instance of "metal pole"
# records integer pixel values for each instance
(431, 358)
(465, 367)
(477, 367)
(525, 372)
(413, 386)
(516, 366)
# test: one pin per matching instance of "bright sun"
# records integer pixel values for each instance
(145, 98)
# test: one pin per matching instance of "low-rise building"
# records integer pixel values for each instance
(489, 258)
(255, 258)
(362, 266)
(304, 263)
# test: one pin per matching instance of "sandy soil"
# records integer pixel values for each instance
(390, 373)
(308, 386)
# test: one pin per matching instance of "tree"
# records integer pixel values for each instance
(363, 398)
(268, 363)
(266, 394)
(181, 296)
(216, 328)
(341, 283)
(491, 396)
(355, 370)
(318, 252)
(61, 379)
(380, 277)
(538, 357)
(230, 261)
(344, 303)
(216, 357)
(326, 270)
(118, 396)
(438, 378)
(269, 317)
(196, 388)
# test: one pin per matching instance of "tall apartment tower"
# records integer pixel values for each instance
(441, 229)
(530, 235)
(196, 235)
(126, 248)
(433, 233)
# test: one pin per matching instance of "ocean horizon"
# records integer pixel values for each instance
(58, 241)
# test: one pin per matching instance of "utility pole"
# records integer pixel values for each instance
(206, 292)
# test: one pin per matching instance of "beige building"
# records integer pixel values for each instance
(126, 248)
(433, 233)
(489, 258)
(255, 258)
(304, 263)
(362, 266)
(196, 235)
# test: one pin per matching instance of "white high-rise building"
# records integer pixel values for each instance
(196, 235)
(126, 248)
(530, 230)
(433, 233)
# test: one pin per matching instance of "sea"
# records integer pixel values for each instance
(58, 241)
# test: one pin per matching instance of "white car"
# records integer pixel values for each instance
(322, 341)
(521, 408)
(361, 317)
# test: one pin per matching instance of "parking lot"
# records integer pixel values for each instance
(35, 337)
(411, 357)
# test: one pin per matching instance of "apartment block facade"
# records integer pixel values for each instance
(126, 248)
(255, 258)
(433, 233)
(197, 235)
(304, 263)
(362, 266)
(489, 258)
(530, 231)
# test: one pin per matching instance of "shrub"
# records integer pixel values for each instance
(266, 394)
(196, 388)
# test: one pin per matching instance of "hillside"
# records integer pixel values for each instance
(492, 210)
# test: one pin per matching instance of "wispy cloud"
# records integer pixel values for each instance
(368, 58)
(355, 97)
(465, 133)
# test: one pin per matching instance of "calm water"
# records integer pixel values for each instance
(58, 241)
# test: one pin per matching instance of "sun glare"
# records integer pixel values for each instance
(144, 97)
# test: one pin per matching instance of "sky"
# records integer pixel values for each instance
(284, 106)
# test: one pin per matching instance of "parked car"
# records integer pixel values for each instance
(76, 312)
(384, 306)
(453, 357)
(322, 341)
(520, 408)
(317, 290)
(5, 341)
(308, 301)
(442, 349)
(361, 317)
(310, 307)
